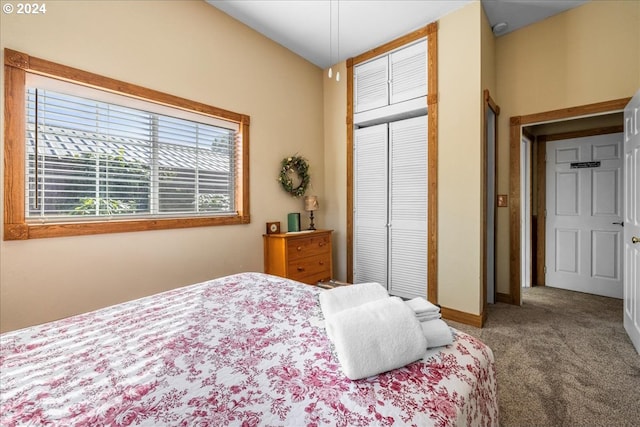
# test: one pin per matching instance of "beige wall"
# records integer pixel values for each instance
(585, 55)
(488, 55)
(459, 145)
(335, 171)
(188, 49)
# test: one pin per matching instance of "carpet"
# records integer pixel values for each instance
(563, 359)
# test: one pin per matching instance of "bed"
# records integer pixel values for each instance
(247, 349)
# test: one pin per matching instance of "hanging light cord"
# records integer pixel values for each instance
(337, 71)
(330, 73)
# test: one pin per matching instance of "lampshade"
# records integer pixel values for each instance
(310, 203)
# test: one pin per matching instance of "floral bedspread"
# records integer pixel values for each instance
(247, 349)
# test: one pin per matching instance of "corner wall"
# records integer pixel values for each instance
(459, 159)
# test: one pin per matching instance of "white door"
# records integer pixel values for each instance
(632, 220)
(584, 214)
(390, 206)
(408, 208)
(408, 72)
(370, 224)
(371, 85)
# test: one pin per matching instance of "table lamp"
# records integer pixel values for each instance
(310, 205)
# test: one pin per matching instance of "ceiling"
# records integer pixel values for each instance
(326, 32)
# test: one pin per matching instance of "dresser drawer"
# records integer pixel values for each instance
(308, 246)
(304, 268)
(313, 279)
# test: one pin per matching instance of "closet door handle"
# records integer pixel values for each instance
(621, 224)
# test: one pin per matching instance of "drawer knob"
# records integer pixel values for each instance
(299, 248)
(321, 262)
(321, 244)
(300, 268)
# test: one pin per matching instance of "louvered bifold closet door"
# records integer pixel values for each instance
(408, 72)
(370, 202)
(408, 208)
(371, 88)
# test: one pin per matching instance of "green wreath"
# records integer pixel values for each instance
(294, 165)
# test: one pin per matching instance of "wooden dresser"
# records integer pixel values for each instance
(303, 256)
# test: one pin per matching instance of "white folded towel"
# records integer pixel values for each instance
(420, 306)
(437, 333)
(343, 297)
(376, 337)
(428, 316)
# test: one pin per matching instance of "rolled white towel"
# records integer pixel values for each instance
(428, 316)
(420, 306)
(376, 337)
(437, 333)
(343, 297)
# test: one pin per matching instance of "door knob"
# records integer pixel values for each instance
(635, 239)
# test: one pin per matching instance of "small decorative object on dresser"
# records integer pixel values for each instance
(310, 205)
(293, 221)
(273, 227)
(303, 256)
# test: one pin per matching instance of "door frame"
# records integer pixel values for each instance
(489, 104)
(526, 154)
(516, 124)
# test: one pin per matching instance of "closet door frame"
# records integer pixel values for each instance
(431, 33)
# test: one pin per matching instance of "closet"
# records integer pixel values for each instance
(390, 182)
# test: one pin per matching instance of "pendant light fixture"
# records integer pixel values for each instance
(338, 41)
(330, 72)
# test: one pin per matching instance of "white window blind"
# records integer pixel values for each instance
(95, 154)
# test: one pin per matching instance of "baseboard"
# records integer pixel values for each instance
(476, 320)
(505, 298)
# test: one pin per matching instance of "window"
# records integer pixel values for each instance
(115, 157)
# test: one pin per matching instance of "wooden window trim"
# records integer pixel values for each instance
(431, 33)
(16, 65)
